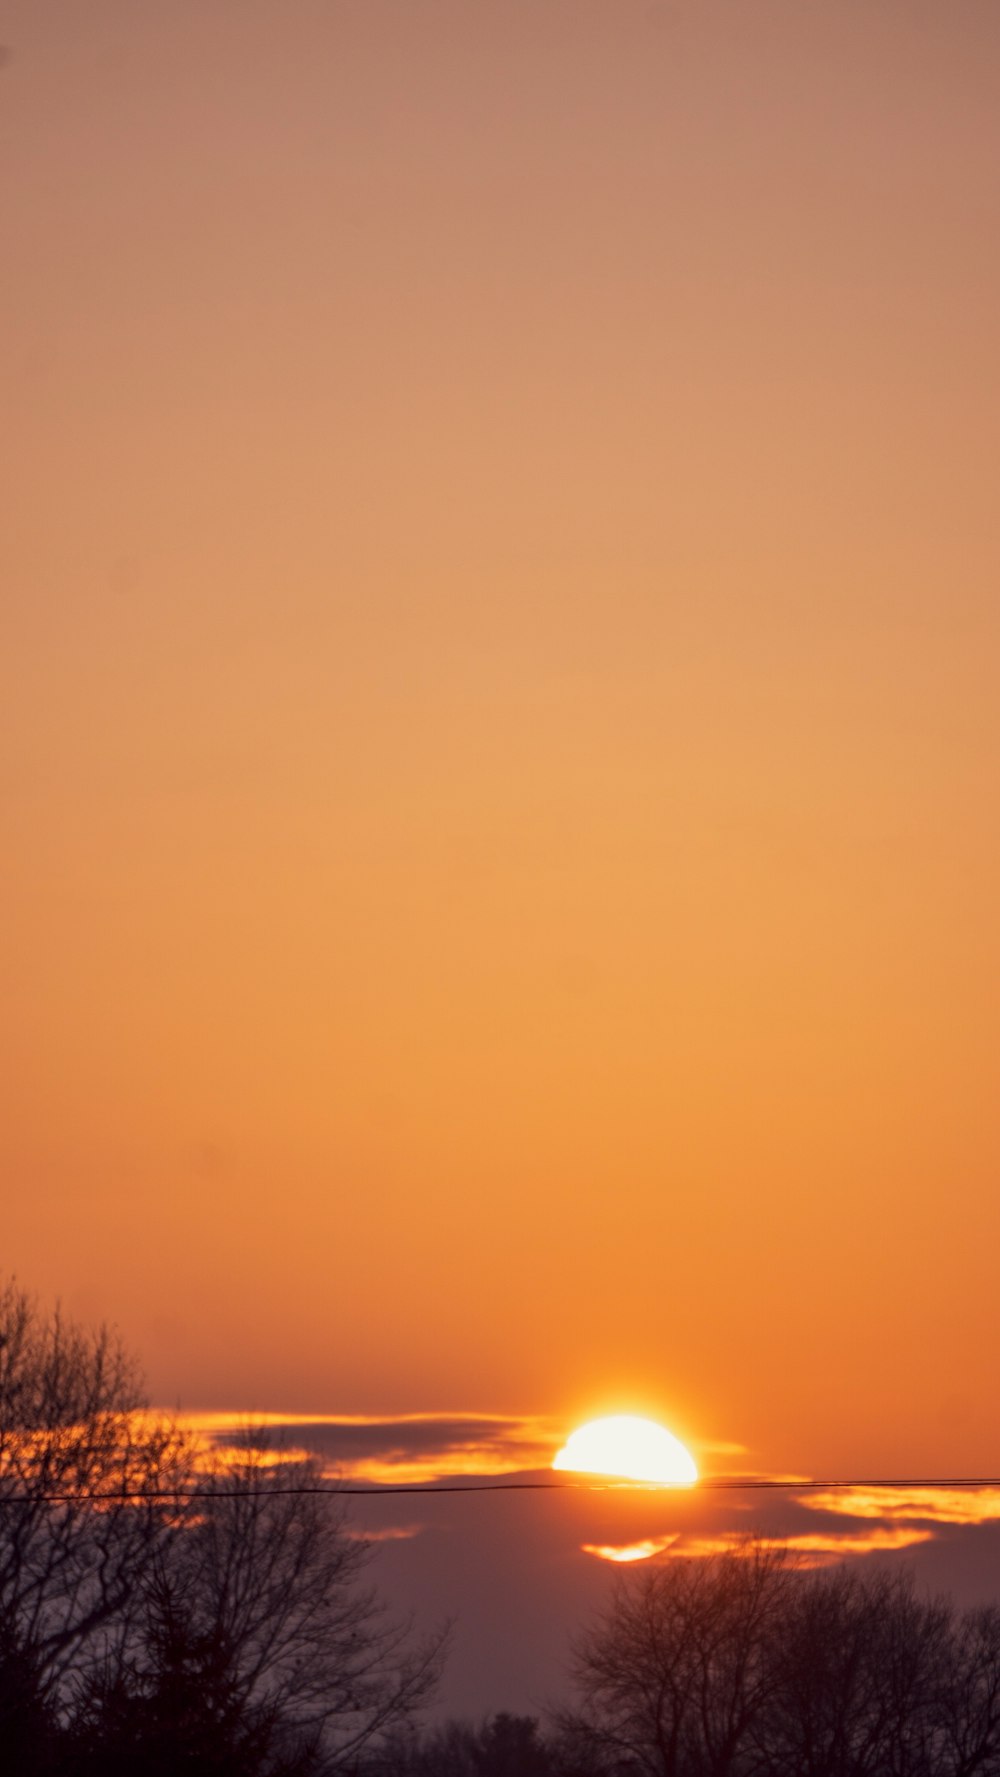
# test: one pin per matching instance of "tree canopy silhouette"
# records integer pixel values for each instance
(161, 1612)
(741, 1666)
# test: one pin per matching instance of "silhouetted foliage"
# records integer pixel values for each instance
(677, 1675)
(970, 1694)
(29, 1733)
(859, 1668)
(739, 1666)
(69, 1430)
(502, 1746)
(254, 1604)
(220, 1629)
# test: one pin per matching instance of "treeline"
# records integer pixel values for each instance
(164, 1618)
(744, 1666)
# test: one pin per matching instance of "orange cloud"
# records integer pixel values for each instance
(409, 1449)
(641, 1551)
(865, 1542)
(811, 1550)
(941, 1505)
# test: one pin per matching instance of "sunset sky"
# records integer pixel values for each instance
(501, 722)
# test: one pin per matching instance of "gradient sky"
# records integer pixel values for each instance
(500, 718)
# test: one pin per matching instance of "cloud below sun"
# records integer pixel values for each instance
(819, 1549)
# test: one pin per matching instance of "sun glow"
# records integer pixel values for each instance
(629, 1448)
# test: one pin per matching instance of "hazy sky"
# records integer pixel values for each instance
(500, 712)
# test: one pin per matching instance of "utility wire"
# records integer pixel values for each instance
(713, 1484)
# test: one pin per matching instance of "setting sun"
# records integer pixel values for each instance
(631, 1448)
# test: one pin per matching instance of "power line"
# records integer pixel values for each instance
(712, 1484)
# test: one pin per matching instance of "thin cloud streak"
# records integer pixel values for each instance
(945, 1505)
(815, 1550)
(412, 1449)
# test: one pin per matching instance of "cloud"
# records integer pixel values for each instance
(640, 1551)
(412, 1449)
(832, 1546)
(421, 1449)
(810, 1549)
(925, 1505)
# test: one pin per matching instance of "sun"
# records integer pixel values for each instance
(631, 1448)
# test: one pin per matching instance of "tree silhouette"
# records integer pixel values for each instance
(252, 1646)
(860, 1664)
(675, 1676)
(740, 1666)
(159, 1612)
(504, 1745)
(71, 1429)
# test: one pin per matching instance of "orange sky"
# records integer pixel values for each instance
(499, 714)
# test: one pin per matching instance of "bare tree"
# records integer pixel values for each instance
(969, 1696)
(253, 1635)
(675, 1676)
(81, 1469)
(166, 1612)
(742, 1666)
(503, 1745)
(859, 1663)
